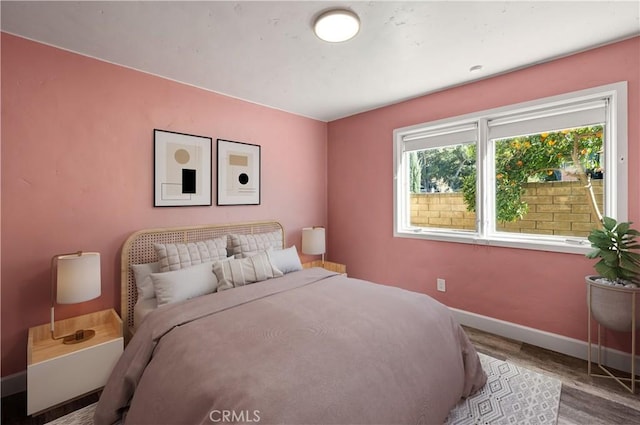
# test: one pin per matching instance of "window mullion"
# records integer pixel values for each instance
(615, 163)
(485, 190)
(404, 190)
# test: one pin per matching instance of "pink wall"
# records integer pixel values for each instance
(532, 288)
(77, 164)
(77, 174)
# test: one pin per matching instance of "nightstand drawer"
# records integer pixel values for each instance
(57, 372)
(57, 380)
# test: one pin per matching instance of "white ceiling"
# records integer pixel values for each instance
(265, 52)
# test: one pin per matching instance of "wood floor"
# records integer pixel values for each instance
(584, 400)
(14, 409)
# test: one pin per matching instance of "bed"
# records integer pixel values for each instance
(300, 346)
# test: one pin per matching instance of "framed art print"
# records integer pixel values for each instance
(238, 173)
(182, 169)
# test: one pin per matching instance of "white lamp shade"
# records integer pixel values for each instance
(78, 277)
(313, 242)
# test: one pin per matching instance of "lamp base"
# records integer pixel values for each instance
(81, 335)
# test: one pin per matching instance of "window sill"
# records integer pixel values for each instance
(568, 246)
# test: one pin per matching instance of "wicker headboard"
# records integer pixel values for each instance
(138, 249)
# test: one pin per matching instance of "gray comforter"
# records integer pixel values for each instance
(312, 347)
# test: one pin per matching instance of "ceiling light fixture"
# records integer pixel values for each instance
(337, 25)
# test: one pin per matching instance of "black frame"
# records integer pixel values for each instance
(161, 141)
(248, 169)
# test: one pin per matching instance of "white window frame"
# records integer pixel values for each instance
(616, 177)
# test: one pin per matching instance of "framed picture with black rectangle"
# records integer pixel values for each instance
(238, 173)
(182, 169)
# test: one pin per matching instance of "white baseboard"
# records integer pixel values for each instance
(14, 384)
(615, 359)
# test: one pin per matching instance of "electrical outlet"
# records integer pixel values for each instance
(441, 285)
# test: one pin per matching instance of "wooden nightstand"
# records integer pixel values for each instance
(328, 265)
(57, 372)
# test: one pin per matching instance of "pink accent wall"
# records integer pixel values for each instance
(77, 171)
(538, 289)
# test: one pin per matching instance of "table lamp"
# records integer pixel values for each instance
(313, 241)
(75, 278)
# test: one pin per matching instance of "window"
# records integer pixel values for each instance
(534, 175)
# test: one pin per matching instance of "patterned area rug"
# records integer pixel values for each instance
(513, 395)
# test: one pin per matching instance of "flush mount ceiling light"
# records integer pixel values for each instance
(337, 25)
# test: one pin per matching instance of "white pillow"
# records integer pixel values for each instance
(183, 284)
(141, 274)
(243, 271)
(285, 260)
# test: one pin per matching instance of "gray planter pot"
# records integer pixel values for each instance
(612, 306)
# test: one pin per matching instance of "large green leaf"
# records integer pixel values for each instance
(606, 271)
(629, 257)
(623, 228)
(609, 256)
(609, 223)
(630, 266)
(627, 274)
(600, 240)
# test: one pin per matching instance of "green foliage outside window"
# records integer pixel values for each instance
(442, 168)
(519, 160)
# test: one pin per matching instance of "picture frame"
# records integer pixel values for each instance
(238, 173)
(182, 169)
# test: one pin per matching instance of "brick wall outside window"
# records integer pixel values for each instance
(555, 208)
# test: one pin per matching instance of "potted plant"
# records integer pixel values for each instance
(611, 293)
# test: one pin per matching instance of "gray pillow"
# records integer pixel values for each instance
(141, 274)
(241, 246)
(176, 256)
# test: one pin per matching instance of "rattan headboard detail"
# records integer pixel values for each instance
(138, 249)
